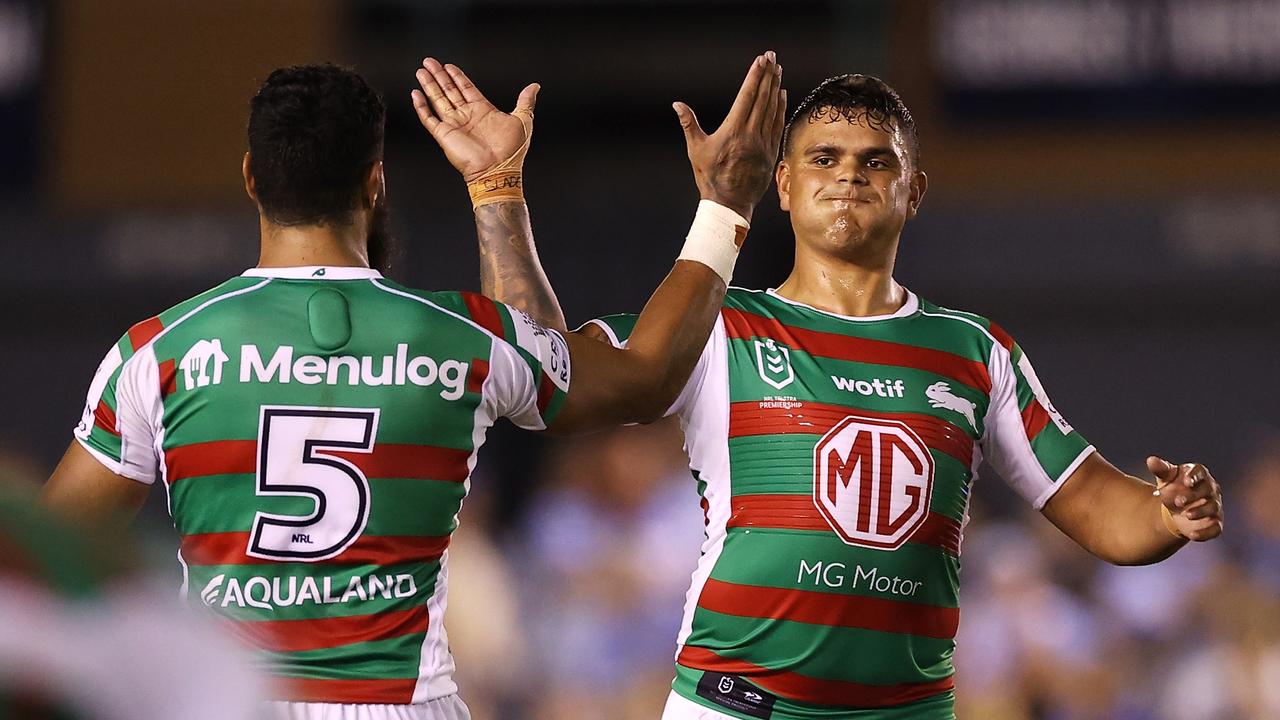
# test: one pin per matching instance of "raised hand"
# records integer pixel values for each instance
(734, 165)
(1192, 497)
(476, 136)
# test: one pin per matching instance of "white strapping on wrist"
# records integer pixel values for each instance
(715, 238)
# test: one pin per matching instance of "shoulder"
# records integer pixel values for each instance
(961, 323)
(153, 329)
(758, 301)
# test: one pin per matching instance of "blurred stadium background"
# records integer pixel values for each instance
(1105, 182)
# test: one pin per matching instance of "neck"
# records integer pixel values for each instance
(843, 287)
(302, 245)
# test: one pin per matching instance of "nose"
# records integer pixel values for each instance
(852, 175)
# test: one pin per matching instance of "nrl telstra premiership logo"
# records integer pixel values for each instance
(774, 363)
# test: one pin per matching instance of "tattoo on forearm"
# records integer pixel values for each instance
(509, 268)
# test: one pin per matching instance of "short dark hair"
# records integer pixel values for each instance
(855, 98)
(313, 132)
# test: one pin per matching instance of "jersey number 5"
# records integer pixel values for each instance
(292, 462)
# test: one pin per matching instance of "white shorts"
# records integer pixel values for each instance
(449, 707)
(681, 708)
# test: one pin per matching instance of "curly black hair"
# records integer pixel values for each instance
(858, 99)
(314, 130)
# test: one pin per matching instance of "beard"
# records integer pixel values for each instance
(383, 248)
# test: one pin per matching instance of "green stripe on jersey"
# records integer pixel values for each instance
(390, 659)
(826, 653)
(227, 503)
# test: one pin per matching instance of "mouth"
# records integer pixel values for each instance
(842, 198)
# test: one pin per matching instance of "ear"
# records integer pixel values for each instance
(782, 176)
(375, 185)
(249, 187)
(919, 184)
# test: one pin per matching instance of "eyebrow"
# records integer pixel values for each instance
(874, 151)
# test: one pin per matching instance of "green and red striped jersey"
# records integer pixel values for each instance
(315, 429)
(834, 457)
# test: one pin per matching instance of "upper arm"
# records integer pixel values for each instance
(83, 488)
(112, 461)
(1025, 438)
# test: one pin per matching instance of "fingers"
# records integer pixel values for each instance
(445, 82)
(433, 93)
(693, 133)
(761, 67)
(528, 97)
(779, 122)
(1204, 529)
(1203, 508)
(1161, 468)
(1191, 482)
(425, 116)
(468, 90)
(766, 100)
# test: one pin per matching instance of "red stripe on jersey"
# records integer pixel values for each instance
(144, 332)
(823, 608)
(484, 312)
(168, 378)
(546, 391)
(323, 633)
(797, 512)
(811, 418)
(105, 418)
(1034, 418)
(1002, 337)
(476, 377)
(388, 460)
(742, 325)
(802, 688)
(230, 548)
(378, 692)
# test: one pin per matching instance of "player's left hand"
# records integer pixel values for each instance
(476, 136)
(1193, 497)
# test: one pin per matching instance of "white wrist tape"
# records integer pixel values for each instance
(715, 238)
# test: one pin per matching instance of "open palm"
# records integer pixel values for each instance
(476, 136)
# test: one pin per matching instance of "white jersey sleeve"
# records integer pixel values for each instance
(1026, 439)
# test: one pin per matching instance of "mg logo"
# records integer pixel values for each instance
(774, 363)
(872, 481)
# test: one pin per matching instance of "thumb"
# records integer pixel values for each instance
(528, 97)
(1164, 470)
(689, 123)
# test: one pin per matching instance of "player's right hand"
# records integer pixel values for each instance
(476, 136)
(734, 165)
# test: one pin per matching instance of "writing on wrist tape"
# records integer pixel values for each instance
(715, 238)
(498, 186)
(505, 181)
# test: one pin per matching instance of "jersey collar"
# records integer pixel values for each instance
(314, 272)
(908, 308)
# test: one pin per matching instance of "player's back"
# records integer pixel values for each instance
(315, 431)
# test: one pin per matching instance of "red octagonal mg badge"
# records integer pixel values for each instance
(872, 481)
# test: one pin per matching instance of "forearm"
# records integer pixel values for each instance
(510, 271)
(1112, 515)
(672, 331)
(638, 383)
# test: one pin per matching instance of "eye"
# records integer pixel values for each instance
(875, 164)
(824, 161)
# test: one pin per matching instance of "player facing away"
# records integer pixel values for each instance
(834, 427)
(314, 424)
